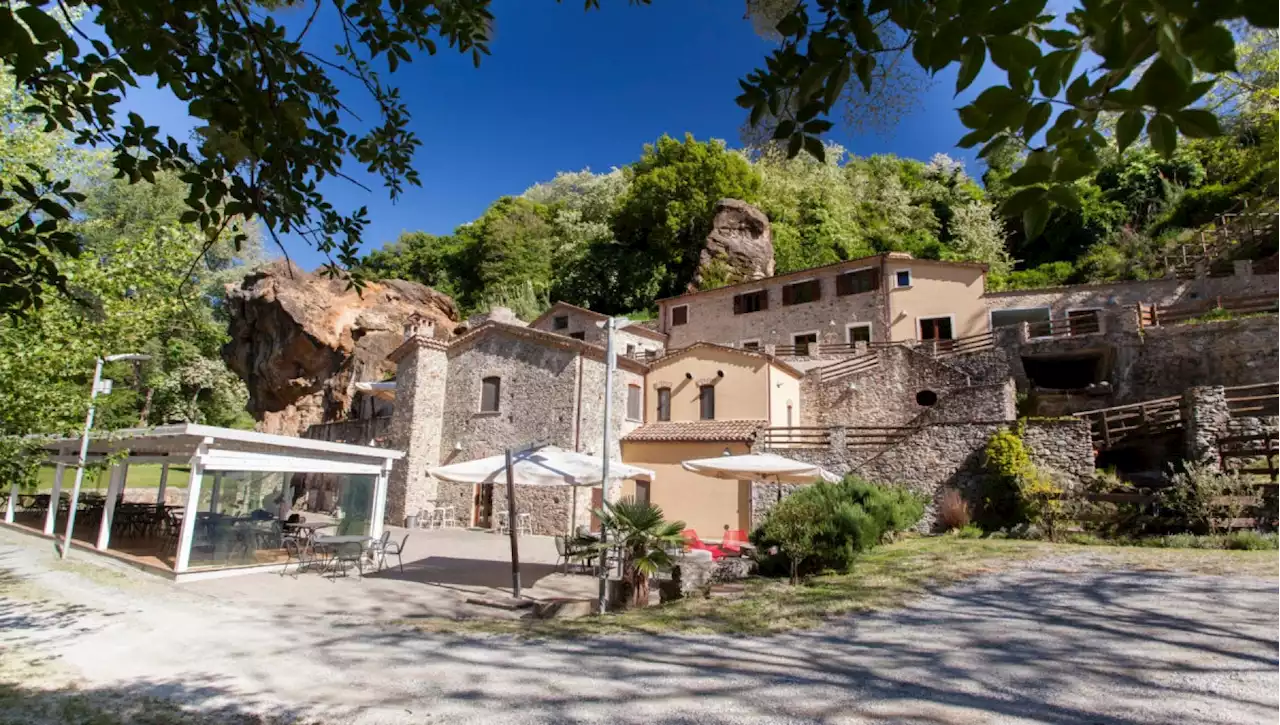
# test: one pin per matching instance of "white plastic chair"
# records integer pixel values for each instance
(524, 524)
(450, 517)
(500, 517)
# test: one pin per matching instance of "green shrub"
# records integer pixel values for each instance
(1015, 491)
(1201, 499)
(1250, 541)
(971, 531)
(825, 525)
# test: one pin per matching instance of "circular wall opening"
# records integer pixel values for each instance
(927, 398)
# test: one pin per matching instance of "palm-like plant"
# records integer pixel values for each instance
(642, 538)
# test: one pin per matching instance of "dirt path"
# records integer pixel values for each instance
(1051, 644)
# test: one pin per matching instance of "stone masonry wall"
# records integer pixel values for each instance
(1128, 294)
(884, 395)
(711, 317)
(1206, 417)
(415, 428)
(949, 455)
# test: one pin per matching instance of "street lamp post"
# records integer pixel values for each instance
(99, 386)
(611, 325)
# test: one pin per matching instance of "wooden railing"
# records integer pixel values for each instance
(1065, 327)
(1254, 400)
(863, 437)
(1111, 426)
(1158, 315)
(937, 348)
(848, 367)
(1257, 454)
(360, 432)
(797, 437)
(960, 346)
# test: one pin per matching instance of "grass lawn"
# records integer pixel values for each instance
(143, 475)
(887, 577)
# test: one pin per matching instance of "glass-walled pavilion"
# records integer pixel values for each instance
(206, 499)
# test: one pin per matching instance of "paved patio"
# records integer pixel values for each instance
(442, 569)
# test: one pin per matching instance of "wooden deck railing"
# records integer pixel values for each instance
(1112, 426)
(1254, 400)
(848, 367)
(1065, 327)
(797, 437)
(1160, 315)
(865, 437)
(1254, 454)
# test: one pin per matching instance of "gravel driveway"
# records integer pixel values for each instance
(1057, 643)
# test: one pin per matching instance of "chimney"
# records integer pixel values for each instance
(419, 325)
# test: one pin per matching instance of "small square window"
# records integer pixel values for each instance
(679, 315)
(560, 322)
(633, 402)
(902, 278)
(859, 333)
(578, 335)
(803, 341)
(753, 345)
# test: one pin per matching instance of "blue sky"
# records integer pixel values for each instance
(566, 89)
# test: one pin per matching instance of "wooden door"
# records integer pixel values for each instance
(484, 505)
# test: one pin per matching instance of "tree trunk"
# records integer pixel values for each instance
(795, 571)
(146, 409)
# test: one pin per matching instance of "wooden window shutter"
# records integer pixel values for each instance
(786, 295)
(816, 286)
(844, 284)
(737, 304)
(764, 299)
(875, 280)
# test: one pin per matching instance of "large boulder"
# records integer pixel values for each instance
(738, 249)
(301, 341)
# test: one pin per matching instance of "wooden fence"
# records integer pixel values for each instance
(1111, 426)
(1253, 454)
(848, 367)
(1254, 400)
(1159, 315)
(1064, 327)
(797, 437)
(861, 438)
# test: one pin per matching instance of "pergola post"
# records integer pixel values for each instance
(55, 498)
(164, 482)
(114, 488)
(183, 556)
(379, 500)
(12, 503)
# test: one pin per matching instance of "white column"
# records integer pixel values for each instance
(55, 498)
(189, 512)
(114, 488)
(12, 503)
(379, 501)
(164, 482)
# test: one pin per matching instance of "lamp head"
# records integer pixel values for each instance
(127, 357)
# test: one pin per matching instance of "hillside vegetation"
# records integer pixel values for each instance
(615, 241)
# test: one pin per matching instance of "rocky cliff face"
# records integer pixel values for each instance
(301, 341)
(739, 247)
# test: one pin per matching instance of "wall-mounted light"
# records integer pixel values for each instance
(719, 373)
(727, 452)
(457, 445)
(688, 376)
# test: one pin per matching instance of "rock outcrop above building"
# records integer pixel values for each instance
(301, 341)
(739, 247)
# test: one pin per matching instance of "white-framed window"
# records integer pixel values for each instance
(857, 332)
(805, 341)
(752, 345)
(941, 327)
(679, 315)
(1037, 319)
(901, 278)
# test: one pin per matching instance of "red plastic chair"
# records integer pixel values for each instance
(733, 541)
(691, 541)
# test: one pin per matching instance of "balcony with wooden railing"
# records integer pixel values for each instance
(1261, 399)
(1204, 310)
(862, 439)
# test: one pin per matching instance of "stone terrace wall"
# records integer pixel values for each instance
(549, 507)
(884, 395)
(949, 455)
(1157, 291)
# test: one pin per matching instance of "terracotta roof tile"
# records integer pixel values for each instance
(697, 430)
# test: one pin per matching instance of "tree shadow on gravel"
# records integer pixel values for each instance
(142, 703)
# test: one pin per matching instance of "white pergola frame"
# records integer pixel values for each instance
(209, 449)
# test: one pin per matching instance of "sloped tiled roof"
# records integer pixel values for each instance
(697, 430)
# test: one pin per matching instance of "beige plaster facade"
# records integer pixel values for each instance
(748, 386)
(707, 505)
(583, 324)
(936, 290)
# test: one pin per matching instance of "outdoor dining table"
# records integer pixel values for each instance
(328, 545)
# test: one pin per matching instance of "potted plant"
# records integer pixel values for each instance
(641, 537)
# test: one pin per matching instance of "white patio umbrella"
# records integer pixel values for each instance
(760, 467)
(545, 466)
(536, 466)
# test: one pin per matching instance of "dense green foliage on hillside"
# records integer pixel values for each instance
(616, 241)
